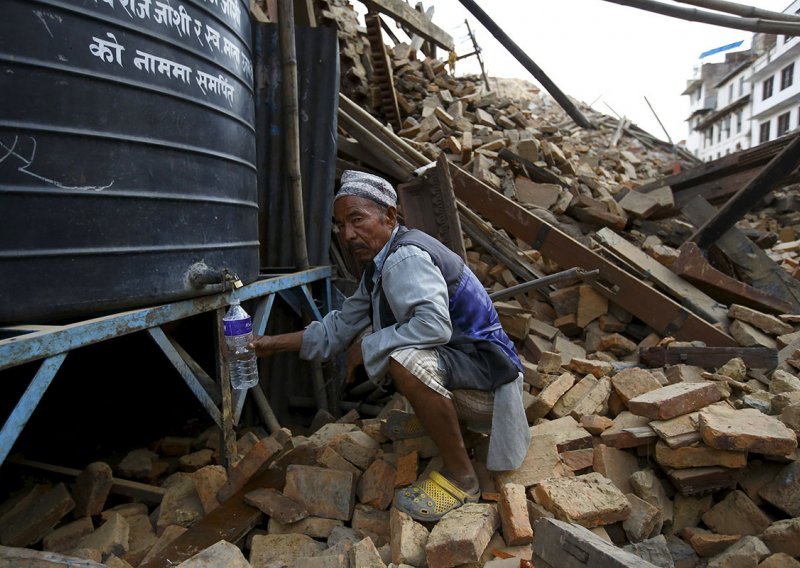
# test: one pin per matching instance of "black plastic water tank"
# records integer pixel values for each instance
(127, 152)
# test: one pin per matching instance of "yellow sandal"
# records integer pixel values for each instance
(432, 498)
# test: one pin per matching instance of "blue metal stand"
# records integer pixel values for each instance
(53, 344)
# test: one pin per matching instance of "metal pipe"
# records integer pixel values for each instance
(527, 62)
(545, 281)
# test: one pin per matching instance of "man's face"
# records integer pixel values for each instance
(364, 227)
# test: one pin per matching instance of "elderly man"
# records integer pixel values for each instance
(435, 335)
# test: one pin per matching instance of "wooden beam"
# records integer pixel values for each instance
(651, 306)
(135, 490)
(761, 270)
(663, 278)
(707, 357)
(409, 17)
(693, 267)
(780, 166)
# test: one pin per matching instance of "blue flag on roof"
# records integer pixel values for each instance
(720, 49)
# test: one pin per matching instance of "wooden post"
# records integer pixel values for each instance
(292, 138)
(477, 51)
(527, 62)
(781, 165)
(228, 446)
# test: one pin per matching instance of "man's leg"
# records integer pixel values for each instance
(438, 416)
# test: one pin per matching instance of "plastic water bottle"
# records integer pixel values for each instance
(241, 360)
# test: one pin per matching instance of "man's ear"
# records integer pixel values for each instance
(391, 215)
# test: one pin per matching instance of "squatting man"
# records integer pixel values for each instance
(434, 334)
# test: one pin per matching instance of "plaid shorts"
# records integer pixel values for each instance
(472, 406)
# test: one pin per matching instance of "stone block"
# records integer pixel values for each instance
(180, 504)
(409, 539)
(707, 543)
(462, 535)
(589, 500)
(66, 537)
(141, 538)
(736, 514)
(277, 548)
(698, 456)
(629, 431)
(783, 536)
(196, 460)
(323, 492)
(679, 431)
(594, 367)
(514, 519)
(781, 382)
(169, 534)
(746, 552)
(746, 430)
(364, 554)
(697, 480)
(137, 464)
(376, 486)
(406, 470)
(683, 555)
(315, 527)
(15, 557)
(549, 362)
(112, 537)
(369, 520)
(34, 515)
(91, 489)
(327, 457)
(647, 486)
(277, 505)
(750, 336)
(644, 519)
(594, 424)
(616, 465)
(208, 481)
(573, 396)
(784, 490)
(617, 344)
(656, 550)
(674, 400)
(546, 400)
(765, 322)
(591, 305)
(258, 456)
(594, 401)
(222, 553)
(630, 383)
(688, 510)
(779, 560)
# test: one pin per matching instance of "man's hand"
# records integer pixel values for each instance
(355, 358)
(269, 344)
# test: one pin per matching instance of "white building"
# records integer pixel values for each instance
(751, 98)
(776, 88)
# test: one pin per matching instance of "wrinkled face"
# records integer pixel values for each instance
(364, 227)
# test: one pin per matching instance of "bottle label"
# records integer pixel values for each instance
(237, 327)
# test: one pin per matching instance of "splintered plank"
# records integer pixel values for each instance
(664, 279)
(760, 269)
(231, 521)
(707, 357)
(651, 306)
(415, 21)
(692, 266)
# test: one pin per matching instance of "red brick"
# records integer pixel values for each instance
(324, 492)
(258, 456)
(514, 519)
(376, 486)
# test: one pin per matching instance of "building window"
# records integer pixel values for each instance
(787, 76)
(739, 116)
(726, 127)
(719, 132)
(763, 135)
(709, 137)
(730, 92)
(783, 124)
(741, 86)
(766, 91)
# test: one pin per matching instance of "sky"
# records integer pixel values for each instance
(598, 52)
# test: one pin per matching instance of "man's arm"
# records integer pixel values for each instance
(269, 344)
